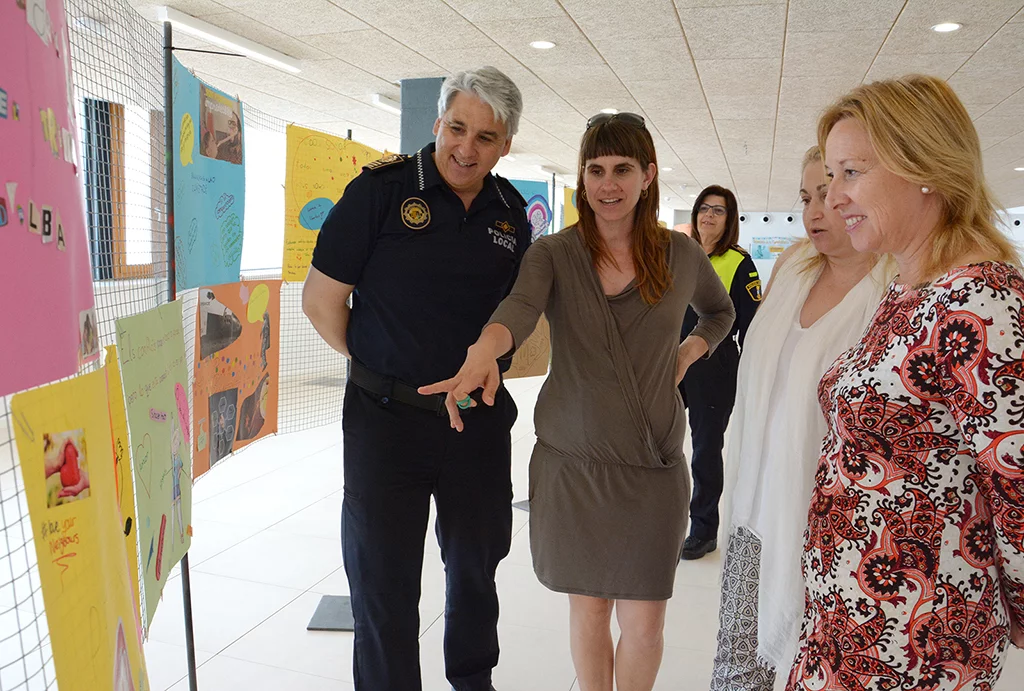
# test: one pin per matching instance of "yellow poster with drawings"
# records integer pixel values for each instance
(66, 451)
(124, 481)
(319, 167)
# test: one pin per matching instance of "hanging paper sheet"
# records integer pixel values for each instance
(46, 303)
(124, 483)
(63, 433)
(235, 389)
(319, 167)
(209, 182)
(152, 350)
(569, 212)
(538, 206)
(770, 247)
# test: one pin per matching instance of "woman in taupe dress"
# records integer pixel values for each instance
(609, 485)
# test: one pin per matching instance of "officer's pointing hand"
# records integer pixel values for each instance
(479, 371)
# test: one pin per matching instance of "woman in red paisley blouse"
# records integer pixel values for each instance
(914, 553)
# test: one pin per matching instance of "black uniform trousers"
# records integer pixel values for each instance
(709, 391)
(396, 457)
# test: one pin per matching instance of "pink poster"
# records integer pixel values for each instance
(47, 321)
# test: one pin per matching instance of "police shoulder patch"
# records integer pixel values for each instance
(754, 290)
(388, 160)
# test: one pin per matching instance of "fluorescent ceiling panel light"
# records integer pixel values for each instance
(946, 27)
(667, 169)
(609, 111)
(225, 39)
(385, 103)
(1019, 170)
(542, 45)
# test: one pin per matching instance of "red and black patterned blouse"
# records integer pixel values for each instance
(914, 551)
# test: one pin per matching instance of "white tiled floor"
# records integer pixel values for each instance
(266, 546)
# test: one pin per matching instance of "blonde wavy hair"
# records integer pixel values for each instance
(921, 132)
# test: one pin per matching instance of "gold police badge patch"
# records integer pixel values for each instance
(754, 290)
(415, 213)
(505, 227)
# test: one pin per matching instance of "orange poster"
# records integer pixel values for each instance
(235, 393)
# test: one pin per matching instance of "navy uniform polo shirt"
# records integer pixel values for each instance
(427, 273)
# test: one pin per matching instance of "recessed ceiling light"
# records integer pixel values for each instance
(667, 169)
(542, 45)
(946, 27)
(1019, 170)
(693, 196)
(609, 111)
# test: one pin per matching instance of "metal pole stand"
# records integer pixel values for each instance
(186, 585)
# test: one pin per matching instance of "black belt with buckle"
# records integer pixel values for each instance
(389, 388)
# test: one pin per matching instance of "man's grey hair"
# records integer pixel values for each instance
(491, 86)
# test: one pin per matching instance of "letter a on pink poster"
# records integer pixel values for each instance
(46, 305)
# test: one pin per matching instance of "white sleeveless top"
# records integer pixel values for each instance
(777, 430)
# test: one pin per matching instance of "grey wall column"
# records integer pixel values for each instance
(680, 216)
(419, 112)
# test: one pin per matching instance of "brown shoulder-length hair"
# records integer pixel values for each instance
(921, 132)
(650, 241)
(731, 237)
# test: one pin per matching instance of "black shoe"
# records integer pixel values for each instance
(695, 548)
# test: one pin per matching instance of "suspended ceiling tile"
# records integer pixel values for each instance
(267, 36)
(650, 60)
(831, 53)
(505, 10)
(912, 33)
(201, 9)
(829, 15)
(572, 48)
(683, 4)
(993, 131)
(377, 54)
(302, 17)
(652, 19)
(344, 78)
(892, 66)
(745, 31)
(812, 93)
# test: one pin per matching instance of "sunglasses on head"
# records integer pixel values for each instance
(628, 118)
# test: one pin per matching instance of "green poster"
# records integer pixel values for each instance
(152, 350)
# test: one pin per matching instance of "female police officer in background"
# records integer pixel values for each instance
(709, 388)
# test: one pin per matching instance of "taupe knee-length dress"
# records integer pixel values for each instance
(609, 485)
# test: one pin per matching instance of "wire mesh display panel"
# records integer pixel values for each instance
(312, 376)
(117, 67)
(117, 60)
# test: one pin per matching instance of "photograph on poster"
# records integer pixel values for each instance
(219, 327)
(220, 120)
(67, 472)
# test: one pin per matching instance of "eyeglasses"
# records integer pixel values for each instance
(628, 118)
(718, 210)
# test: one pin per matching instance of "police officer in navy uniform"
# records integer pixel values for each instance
(427, 246)
(709, 387)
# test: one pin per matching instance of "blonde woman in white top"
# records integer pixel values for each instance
(821, 296)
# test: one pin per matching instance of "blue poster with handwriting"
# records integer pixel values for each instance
(209, 183)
